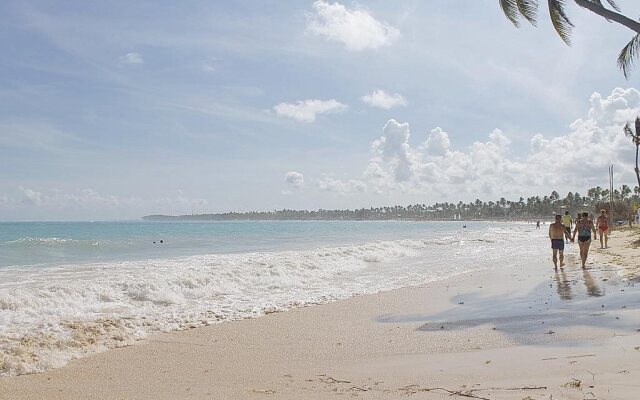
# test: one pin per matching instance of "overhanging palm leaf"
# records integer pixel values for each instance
(528, 9)
(635, 136)
(514, 9)
(628, 55)
(510, 10)
(559, 19)
(628, 131)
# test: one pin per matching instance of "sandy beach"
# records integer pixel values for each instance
(520, 333)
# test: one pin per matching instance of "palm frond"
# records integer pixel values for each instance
(529, 10)
(511, 11)
(635, 137)
(560, 21)
(628, 55)
(627, 130)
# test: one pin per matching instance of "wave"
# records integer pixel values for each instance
(51, 315)
(50, 242)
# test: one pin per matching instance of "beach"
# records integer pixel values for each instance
(520, 333)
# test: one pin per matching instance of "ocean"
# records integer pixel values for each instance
(69, 289)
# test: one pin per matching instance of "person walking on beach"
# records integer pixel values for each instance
(556, 234)
(567, 222)
(603, 228)
(538, 224)
(584, 227)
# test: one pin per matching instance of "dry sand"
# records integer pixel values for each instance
(624, 250)
(508, 333)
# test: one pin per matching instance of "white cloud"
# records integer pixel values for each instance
(330, 184)
(294, 179)
(620, 107)
(381, 99)
(307, 110)
(131, 58)
(89, 199)
(393, 150)
(577, 159)
(356, 28)
(180, 203)
(30, 196)
(437, 143)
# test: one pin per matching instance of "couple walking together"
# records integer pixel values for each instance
(584, 227)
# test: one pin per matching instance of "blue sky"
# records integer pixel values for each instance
(114, 110)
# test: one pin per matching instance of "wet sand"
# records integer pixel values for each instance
(507, 333)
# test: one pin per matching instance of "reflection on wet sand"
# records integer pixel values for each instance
(592, 288)
(562, 285)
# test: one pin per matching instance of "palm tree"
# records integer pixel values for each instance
(514, 10)
(635, 138)
(625, 191)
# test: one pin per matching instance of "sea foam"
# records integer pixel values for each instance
(51, 315)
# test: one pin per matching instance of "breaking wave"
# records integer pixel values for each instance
(51, 315)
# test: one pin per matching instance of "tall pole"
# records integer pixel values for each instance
(610, 195)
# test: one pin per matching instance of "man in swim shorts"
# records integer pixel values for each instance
(603, 228)
(556, 234)
(567, 222)
(584, 227)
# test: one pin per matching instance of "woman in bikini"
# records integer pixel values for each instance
(603, 228)
(584, 228)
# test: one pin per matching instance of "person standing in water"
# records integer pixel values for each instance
(603, 228)
(556, 234)
(584, 227)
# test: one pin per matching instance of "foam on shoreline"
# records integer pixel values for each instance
(516, 331)
(51, 315)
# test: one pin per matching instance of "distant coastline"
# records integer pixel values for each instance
(245, 217)
(333, 215)
(623, 202)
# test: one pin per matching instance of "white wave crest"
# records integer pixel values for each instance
(51, 315)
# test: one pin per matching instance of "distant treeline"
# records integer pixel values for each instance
(625, 203)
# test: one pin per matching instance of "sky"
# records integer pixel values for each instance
(119, 109)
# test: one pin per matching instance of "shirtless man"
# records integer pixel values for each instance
(556, 234)
(584, 227)
(603, 228)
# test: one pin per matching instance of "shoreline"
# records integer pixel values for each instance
(468, 334)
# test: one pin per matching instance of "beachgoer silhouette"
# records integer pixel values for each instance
(556, 234)
(583, 228)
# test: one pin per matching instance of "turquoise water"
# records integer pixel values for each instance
(68, 289)
(54, 243)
